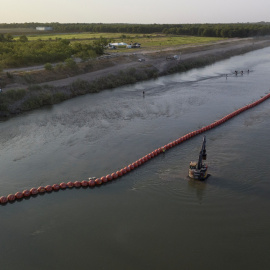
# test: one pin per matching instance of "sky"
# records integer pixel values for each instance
(135, 11)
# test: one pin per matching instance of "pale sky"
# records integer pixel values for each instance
(135, 11)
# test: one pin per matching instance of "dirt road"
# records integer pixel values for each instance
(151, 59)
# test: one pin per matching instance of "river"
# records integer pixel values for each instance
(154, 217)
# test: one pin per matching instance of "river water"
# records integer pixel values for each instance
(154, 217)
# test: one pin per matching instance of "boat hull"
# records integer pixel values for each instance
(198, 174)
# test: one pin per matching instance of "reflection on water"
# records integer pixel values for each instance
(198, 187)
(154, 216)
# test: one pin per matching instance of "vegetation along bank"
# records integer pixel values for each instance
(56, 82)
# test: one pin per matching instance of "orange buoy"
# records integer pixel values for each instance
(123, 171)
(85, 183)
(91, 182)
(55, 187)
(109, 177)
(26, 193)
(3, 199)
(70, 184)
(34, 191)
(77, 184)
(103, 179)
(63, 185)
(131, 166)
(119, 173)
(18, 195)
(41, 189)
(127, 169)
(114, 175)
(11, 197)
(135, 164)
(98, 181)
(48, 188)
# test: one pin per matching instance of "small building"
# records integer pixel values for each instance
(44, 28)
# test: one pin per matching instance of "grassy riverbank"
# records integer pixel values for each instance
(16, 101)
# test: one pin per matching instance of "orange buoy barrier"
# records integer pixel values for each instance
(98, 181)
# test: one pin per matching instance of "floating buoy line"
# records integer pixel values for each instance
(98, 181)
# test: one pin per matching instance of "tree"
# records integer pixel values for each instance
(8, 37)
(100, 44)
(23, 38)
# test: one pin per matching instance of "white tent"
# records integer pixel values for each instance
(118, 44)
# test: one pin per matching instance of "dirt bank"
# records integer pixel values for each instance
(160, 59)
(118, 69)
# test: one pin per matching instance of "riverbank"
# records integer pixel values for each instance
(115, 70)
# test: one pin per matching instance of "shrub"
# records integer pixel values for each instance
(34, 87)
(14, 95)
(70, 64)
(59, 67)
(48, 66)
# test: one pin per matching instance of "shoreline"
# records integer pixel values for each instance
(155, 64)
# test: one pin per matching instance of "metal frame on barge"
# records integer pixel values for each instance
(198, 170)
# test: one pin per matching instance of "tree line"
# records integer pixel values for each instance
(23, 53)
(206, 30)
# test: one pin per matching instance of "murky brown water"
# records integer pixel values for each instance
(154, 217)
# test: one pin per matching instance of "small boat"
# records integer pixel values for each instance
(198, 170)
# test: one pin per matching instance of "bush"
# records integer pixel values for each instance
(48, 66)
(34, 87)
(59, 67)
(14, 95)
(70, 64)
(9, 75)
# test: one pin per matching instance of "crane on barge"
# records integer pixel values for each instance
(198, 170)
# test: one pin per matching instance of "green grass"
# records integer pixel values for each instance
(147, 40)
(161, 42)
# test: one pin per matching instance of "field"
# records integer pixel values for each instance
(146, 40)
